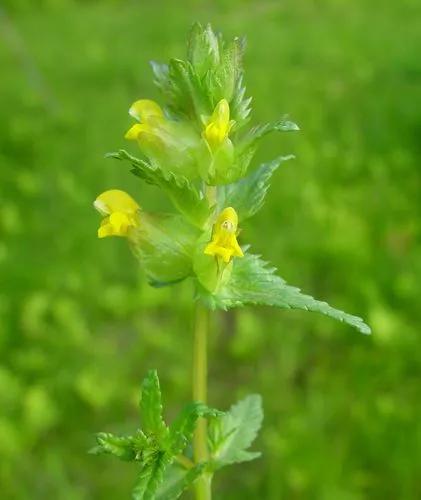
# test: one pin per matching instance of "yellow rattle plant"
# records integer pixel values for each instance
(196, 148)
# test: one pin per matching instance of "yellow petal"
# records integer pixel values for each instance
(219, 125)
(117, 224)
(144, 109)
(210, 248)
(236, 248)
(105, 229)
(214, 134)
(150, 141)
(133, 133)
(225, 253)
(228, 215)
(120, 223)
(224, 236)
(221, 113)
(115, 200)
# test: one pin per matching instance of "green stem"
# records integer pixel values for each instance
(200, 368)
(184, 461)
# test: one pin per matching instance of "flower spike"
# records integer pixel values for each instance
(224, 236)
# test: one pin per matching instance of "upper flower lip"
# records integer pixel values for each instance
(101, 207)
(144, 110)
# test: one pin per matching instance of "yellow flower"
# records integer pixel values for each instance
(219, 125)
(149, 114)
(120, 210)
(224, 236)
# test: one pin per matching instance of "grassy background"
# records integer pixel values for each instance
(78, 325)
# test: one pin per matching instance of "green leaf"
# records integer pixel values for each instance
(246, 146)
(121, 447)
(181, 430)
(151, 406)
(177, 480)
(183, 194)
(233, 433)
(150, 477)
(248, 194)
(259, 131)
(254, 282)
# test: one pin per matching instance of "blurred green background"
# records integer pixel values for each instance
(79, 327)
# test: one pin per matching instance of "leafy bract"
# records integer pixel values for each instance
(183, 194)
(164, 244)
(151, 406)
(259, 131)
(150, 477)
(177, 480)
(203, 49)
(181, 430)
(246, 146)
(232, 434)
(252, 281)
(247, 195)
(119, 446)
(213, 71)
(240, 104)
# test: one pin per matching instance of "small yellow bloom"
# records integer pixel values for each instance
(219, 125)
(149, 114)
(224, 236)
(120, 210)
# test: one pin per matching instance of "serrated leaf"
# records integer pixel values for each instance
(221, 81)
(202, 49)
(281, 125)
(254, 282)
(247, 195)
(256, 133)
(121, 447)
(177, 480)
(190, 97)
(151, 406)
(181, 430)
(183, 194)
(233, 433)
(150, 477)
(161, 73)
(240, 104)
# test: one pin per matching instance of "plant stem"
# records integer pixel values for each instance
(200, 368)
(184, 461)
